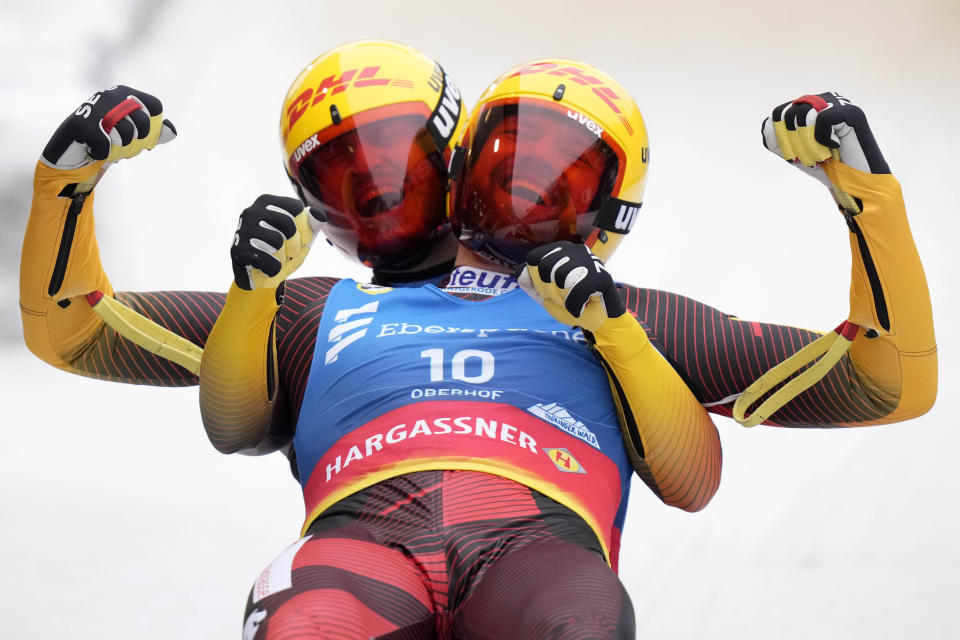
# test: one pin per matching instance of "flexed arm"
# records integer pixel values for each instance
(889, 372)
(239, 370)
(893, 351)
(60, 263)
(673, 444)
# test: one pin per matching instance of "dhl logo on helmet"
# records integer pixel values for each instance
(441, 124)
(601, 90)
(332, 85)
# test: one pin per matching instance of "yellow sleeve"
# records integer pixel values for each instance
(895, 353)
(238, 373)
(672, 442)
(60, 261)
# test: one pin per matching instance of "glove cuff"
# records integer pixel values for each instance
(252, 303)
(51, 181)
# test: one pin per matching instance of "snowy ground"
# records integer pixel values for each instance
(117, 519)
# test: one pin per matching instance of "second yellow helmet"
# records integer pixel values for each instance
(554, 150)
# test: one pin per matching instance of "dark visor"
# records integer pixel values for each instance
(381, 185)
(532, 175)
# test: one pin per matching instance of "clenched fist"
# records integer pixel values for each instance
(272, 240)
(116, 123)
(572, 285)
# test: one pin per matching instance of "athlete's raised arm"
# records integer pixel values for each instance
(239, 376)
(889, 372)
(60, 263)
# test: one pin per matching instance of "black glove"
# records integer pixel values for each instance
(119, 122)
(572, 285)
(272, 240)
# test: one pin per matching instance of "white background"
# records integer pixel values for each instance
(118, 520)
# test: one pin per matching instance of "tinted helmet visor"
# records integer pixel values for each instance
(532, 175)
(381, 183)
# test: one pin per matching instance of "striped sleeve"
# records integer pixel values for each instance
(720, 355)
(60, 264)
(297, 323)
(889, 372)
(110, 356)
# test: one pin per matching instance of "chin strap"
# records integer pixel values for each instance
(803, 370)
(145, 332)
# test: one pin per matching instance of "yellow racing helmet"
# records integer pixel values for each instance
(367, 130)
(554, 150)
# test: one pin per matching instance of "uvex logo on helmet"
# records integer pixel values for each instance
(585, 121)
(617, 215)
(582, 77)
(626, 216)
(443, 121)
(332, 85)
(308, 145)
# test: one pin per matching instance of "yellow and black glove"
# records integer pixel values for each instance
(272, 240)
(815, 128)
(572, 285)
(113, 124)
